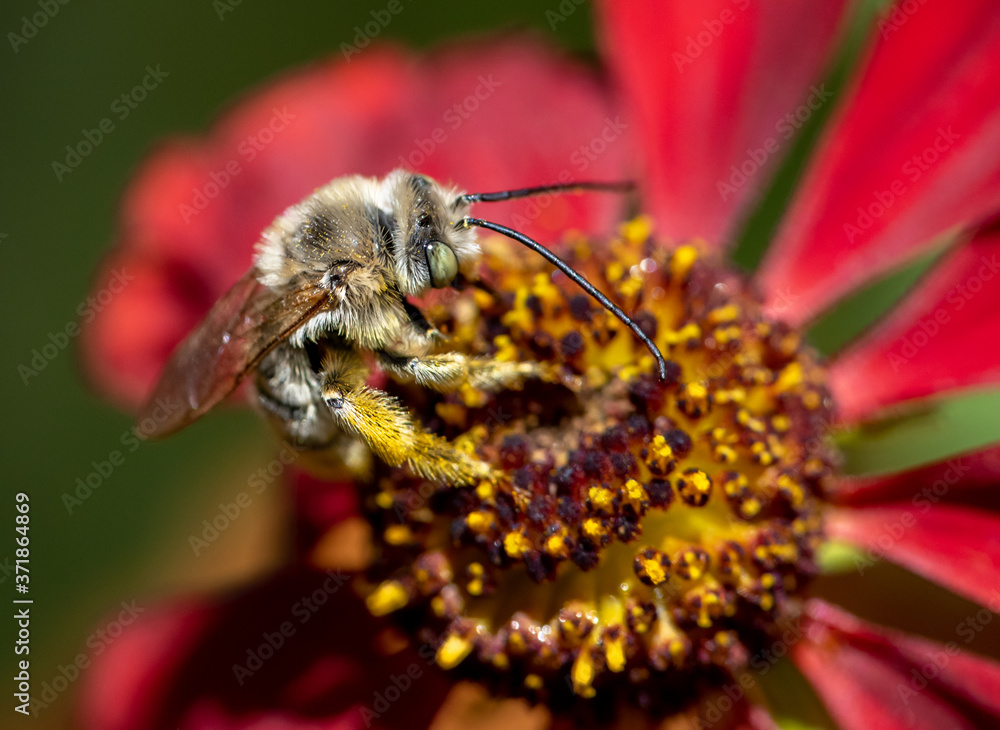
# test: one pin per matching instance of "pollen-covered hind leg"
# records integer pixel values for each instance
(391, 432)
(449, 371)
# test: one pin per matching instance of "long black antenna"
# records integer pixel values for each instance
(610, 187)
(584, 284)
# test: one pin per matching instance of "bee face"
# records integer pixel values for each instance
(360, 236)
(433, 247)
(369, 243)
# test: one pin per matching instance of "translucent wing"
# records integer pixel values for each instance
(242, 327)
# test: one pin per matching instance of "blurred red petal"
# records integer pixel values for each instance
(915, 152)
(857, 690)
(941, 337)
(713, 85)
(320, 504)
(513, 114)
(956, 547)
(125, 684)
(489, 115)
(296, 651)
(932, 483)
(870, 677)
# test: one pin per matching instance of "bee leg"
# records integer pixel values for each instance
(425, 328)
(392, 434)
(449, 371)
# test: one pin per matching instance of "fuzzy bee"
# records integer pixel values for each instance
(330, 282)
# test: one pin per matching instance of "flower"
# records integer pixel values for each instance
(909, 156)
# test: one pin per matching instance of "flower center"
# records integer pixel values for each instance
(637, 535)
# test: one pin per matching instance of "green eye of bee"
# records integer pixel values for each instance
(442, 264)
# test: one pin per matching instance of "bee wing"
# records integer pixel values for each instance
(243, 326)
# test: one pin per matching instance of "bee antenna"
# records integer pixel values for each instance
(579, 279)
(609, 187)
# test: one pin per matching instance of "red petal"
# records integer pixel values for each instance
(956, 547)
(942, 336)
(712, 85)
(918, 143)
(858, 691)
(870, 677)
(490, 116)
(123, 688)
(931, 483)
(320, 504)
(297, 651)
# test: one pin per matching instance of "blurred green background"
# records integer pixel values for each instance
(129, 540)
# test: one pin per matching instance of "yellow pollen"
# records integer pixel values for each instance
(614, 651)
(547, 292)
(724, 314)
(398, 535)
(472, 397)
(781, 423)
(694, 487)
(687, 333)
(655, 571)
(514, 543)
(601, 498)
(725, 454)
(480, 521)
(697, 390)
(615, 271)
(506, 350)
(484, 490)
(451, 413)
(637, 230)
(750, 507)
(630, 288)
(556, 544)
(388, 597)
(582, 673)
(593, 528)
(452, 652)
(789, 378)
(634, 493)
(660, 455)
(533, 681)
(682, 261)
(439, 606)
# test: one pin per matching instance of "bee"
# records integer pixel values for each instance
(331, 281)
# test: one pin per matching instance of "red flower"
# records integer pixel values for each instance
(912, 155)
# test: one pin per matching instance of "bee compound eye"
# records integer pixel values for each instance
(441, 263)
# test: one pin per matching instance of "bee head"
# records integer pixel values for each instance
(432, 248)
